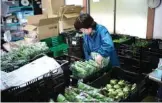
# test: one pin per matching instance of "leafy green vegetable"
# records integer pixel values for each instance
(120, 94)
(117, 90)
(121, 82)
(86, 87)
(133, 87)
(104, 61)
(114, 93)
(84, 97)
(61, 98)
(83, 69)
(141, 43)
(111, 90)
(138, 45)
(70, 95)
(120, 40)
(92, 62)
(126, 89)
(117, 98)
(113, 82)
(99, 96)
(76, 95)
(18, 57)
(116, 86)
(79, 72)
(108, 86)
(51, 100)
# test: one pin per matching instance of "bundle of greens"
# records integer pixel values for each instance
(93, 92)
(83, 69)
(118, 89)
(121, 39)
(61, 98)
(76, 95)
(18, 57)
(83, 93)
(141, 43)
(86, 87)
(138, 45)
(104, 61)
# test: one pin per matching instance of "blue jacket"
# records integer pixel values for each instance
(100, 42)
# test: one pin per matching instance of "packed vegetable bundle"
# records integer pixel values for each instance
(118, 89)
(141, 43)
(104, 61)
(138, 45)
(81, 94)
(18, 57)
(121, 39)
(83, 69)
(93, 92)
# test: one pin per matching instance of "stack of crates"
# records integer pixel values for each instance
(120, 39)
(57, 45)
(75, 42)
(139, 59)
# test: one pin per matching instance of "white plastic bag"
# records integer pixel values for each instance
(7, 36)
(104, 62)
(160, 62)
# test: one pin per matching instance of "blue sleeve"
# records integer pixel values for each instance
(86, 54)
(107, 46)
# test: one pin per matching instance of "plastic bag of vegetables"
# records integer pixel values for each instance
(18, 57)
(86, 87)
(82, 69)
(104, 61)
(61, 98)
(76, 95)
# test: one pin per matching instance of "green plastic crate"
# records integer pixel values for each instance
(57, 45)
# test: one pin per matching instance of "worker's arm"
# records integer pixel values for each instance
(86, 53)
(107, 46)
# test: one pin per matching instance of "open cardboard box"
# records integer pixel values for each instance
(43, 26)
(67, 17)
(50, 7)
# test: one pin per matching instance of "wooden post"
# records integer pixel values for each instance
(150, 23)
(85, 6)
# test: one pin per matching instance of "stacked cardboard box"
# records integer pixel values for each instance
(51, 7)
(44, 27)
(67, 16)
(56, 18)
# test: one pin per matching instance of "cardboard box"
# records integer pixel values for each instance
(53, 16)
(68, 15)
(43, 26)
(34, 20)
(48, 28)
(50, 7)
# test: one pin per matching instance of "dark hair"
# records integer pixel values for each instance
(84, 21)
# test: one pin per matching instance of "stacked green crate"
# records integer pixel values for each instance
(57, 45)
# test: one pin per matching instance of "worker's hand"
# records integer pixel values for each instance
(98, 59)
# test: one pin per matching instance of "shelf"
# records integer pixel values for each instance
(19, 8)
(12, 24)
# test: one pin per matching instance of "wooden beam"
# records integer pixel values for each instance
(85, 6)
(150, 23)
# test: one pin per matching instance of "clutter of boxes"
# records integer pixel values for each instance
(56, 18)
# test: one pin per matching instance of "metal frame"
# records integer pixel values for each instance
(88, 6)
(115, 16)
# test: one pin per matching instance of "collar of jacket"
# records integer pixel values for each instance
(94, 31)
